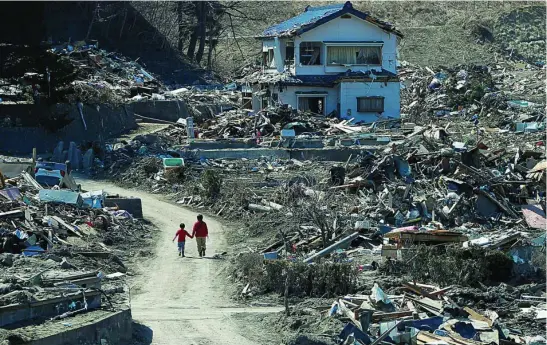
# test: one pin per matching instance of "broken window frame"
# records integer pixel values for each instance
(312, 52)
(268, 60)
(360, 58)
(379, 106)
(289, 57)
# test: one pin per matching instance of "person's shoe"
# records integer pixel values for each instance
(182, 254)
(179, 254)
(203, 252)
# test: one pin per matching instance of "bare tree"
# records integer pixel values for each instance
(180, 24)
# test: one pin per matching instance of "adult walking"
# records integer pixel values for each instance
(200, 232)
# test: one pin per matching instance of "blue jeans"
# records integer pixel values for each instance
(181, 247)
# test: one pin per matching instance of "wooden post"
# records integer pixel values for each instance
(287, 282)
(33, 161)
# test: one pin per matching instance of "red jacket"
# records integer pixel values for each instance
(181, 233)
(200, 229)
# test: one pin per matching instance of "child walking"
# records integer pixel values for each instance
(181, 234)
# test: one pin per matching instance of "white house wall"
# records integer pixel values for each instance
(352, 29)
(349, 91)
(267, 44)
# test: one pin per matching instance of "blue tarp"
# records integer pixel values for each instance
(33, 250)
(429, 324)
(61, 196)
(93, 199)
(403, 168)
(11, 193)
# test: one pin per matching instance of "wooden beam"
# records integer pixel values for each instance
(67, 226)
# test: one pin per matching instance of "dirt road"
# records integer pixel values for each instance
(182, 299)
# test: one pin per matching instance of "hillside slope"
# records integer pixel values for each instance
(436, 33)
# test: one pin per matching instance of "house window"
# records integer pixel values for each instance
(310, 53)
(268, 58)
(370, 104)
(355, 55)
(314, 104)
(289, 53)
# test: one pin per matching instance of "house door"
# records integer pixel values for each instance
(314, 104)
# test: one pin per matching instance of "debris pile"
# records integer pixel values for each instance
(268, 122)
(424, 314)
(73, 72)
(501, 95)
(63, 248)
(458, 205)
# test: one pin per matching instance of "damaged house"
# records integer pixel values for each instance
(330, 59)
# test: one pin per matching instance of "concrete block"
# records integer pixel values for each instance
(131, 205)
(13, 314)
(113, 328)
(88, 159)
(74, 156)
(58, 155)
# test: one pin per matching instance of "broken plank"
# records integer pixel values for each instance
(415, 289)
(62, 241)
(12, 213)
(440, 291)
(432, 287)
(30, 180)
(478, 317)
(411, 306)
(345, 241)
(67, 226)
(349, 313)
(391, 316)
(437, 305)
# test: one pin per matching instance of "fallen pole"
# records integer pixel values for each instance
(332, 247)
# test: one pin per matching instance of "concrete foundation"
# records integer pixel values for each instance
(113, 327)
(296, 143)
(15, 313)
(326, 154)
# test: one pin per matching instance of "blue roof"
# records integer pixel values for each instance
(309, 16)
(315, 16)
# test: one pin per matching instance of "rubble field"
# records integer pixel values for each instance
(434, 234)
(64, 258)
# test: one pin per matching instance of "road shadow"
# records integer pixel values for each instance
(142, 335)
(205, 257)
